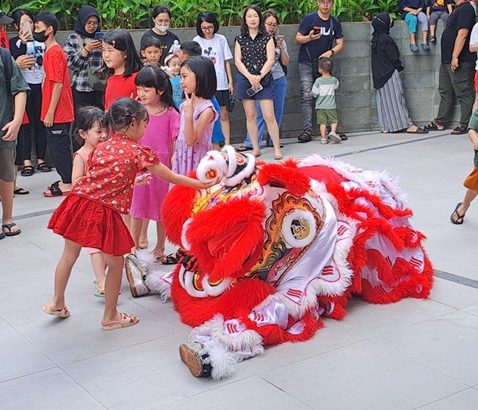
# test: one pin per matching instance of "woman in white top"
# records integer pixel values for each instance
(214, 46)
(28, 54)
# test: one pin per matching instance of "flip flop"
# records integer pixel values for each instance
(21, 191)
(7, 229)
(242, 148)
(125, 321)
(459, 218)
(419, 130)
(63, 312)
(54, 190)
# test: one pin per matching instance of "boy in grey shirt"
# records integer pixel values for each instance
(324, 92)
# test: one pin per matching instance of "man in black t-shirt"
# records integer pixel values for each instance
(316, 35)
(457, 68)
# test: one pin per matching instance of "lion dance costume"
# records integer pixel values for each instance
(274, 248)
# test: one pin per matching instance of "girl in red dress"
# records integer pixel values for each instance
(91, 215)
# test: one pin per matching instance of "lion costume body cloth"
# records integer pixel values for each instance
(276, 247)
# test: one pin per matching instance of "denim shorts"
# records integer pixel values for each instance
(242, 84)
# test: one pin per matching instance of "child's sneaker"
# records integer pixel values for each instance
(425, 47)
(335, 137)
(414, 48)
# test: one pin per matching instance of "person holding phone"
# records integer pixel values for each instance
(254, 56)
(83, 51)
(319, 35)
(28, 53)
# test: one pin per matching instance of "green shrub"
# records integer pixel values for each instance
(136, 13)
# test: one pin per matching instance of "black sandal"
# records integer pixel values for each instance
(170, 259)
(43, 167)
(242, 148)
(306, 136)
(433, 126)
(8, 229)
(21, 191)
(459, 130)
(27, 171)
(455, 217)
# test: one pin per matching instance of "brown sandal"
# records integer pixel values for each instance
(124, 321)
(63, 312)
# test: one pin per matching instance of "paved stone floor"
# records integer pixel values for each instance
(409, 355)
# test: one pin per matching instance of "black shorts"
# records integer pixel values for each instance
(222, 97)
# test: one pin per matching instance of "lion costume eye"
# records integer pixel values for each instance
(299, 228)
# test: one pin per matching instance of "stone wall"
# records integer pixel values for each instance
(356, 96)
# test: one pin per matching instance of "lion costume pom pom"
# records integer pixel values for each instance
(274, 248)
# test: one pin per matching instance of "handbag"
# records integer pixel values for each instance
(96, 79)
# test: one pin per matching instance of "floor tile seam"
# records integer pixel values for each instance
(65, 365)
(224, 382)
(285, 392)
(418, 361)
(452, 277)
(391, 145)
(28, 374)
(69, 376)
(443, 398)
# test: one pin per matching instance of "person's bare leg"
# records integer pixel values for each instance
(160, 239)
(432, 31)
(251, 124)
(323, 132)
(225, 125)
(135, 227)
(413, 38)
(475, 105)
(112, 288)
(424, 37)
(267, 108)
(6, 195)
(99, 267)
(143, 237)
(71, 251)
(469, 197)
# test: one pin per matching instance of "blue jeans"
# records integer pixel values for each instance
(306, 80)
(280, 91)
(412, 22)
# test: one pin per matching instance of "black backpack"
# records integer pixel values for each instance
(8, 69)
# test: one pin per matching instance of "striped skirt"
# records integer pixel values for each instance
(391, 106)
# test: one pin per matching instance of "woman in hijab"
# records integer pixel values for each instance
(391, 106)
(83, 51)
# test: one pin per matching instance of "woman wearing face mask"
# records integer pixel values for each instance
(83, 52)
(391, 106)
(161, 20)
(28, 54)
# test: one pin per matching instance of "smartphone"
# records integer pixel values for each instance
(316, 31)
(99, 35)
(250, 92)
(26, 29)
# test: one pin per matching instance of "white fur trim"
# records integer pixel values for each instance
(213, 160)
(158, 285)
(231, 159)
(245, 173)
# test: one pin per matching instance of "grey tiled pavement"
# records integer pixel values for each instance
(409, 355)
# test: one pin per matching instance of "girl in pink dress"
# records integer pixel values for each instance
(198, 80)
(154, 91)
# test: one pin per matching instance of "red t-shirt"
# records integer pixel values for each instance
(56, 71)
(118, 86)
(112, 169)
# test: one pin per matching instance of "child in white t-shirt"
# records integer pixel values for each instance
(215, 47)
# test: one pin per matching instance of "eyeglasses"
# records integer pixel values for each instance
(271, 25)
(207, 28)
(92, 23)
